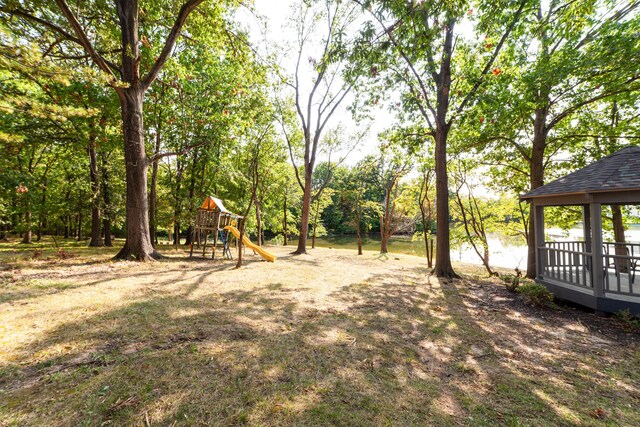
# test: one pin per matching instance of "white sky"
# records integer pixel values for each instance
(281, 36)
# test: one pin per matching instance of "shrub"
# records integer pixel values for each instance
(511, 282)
(537, 295)
(629, 323)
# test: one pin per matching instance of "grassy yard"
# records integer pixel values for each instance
(328, 338)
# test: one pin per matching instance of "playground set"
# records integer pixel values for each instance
(214, 218)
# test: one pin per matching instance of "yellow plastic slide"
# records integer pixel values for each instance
(264, 254)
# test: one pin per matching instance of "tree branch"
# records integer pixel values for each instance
(185, 10)
(184, 150)
(573, 108)
(84, 41)
(50, 25)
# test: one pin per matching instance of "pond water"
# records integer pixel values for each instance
(505, 251)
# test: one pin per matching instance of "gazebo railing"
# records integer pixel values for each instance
(566, 262)
(621, 262)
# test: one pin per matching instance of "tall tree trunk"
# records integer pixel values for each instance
(443, 267)
(536, 169)
(138, 244)
(96, 231)
(79, 232)
(176, 232)
(26, 237)
(386, 220)
(42, 222)
(153, 227)
(188, 238)
(3, 228)
(383, 240)
(304, 219)
(106, 198)
(192, 190)
(616, 211)
(177, 206)
(358, 233)
(536, 162)
(67, 224)
(618, 237)
(315, 224)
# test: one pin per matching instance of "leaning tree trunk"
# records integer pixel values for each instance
(304, 219)
(256, 203)
(138, 244)
(96, 232)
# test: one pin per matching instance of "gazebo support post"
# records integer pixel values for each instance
(538, 226)
(597, 276)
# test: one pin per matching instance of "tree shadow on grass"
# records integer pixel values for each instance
(36, 284)
(533, 366)
(394, 351)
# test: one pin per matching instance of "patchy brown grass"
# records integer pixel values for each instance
(323, 339)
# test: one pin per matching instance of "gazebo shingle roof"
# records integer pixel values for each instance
(618, 172)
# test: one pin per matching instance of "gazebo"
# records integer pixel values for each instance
(591, 272)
